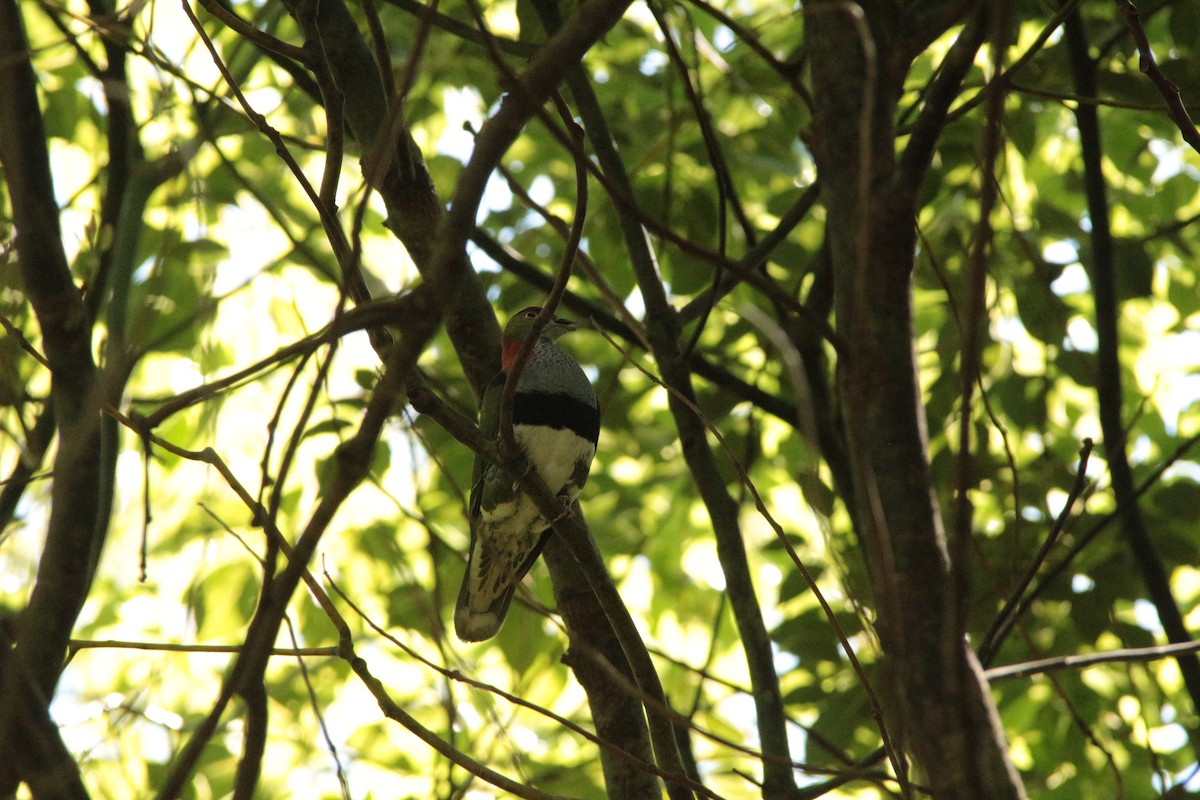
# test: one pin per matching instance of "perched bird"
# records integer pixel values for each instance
(556, 421)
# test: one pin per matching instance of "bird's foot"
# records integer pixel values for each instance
(567, 510)
(516, 486)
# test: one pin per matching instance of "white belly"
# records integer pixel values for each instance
(555, 453)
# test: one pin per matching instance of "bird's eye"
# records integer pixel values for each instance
(531, 315)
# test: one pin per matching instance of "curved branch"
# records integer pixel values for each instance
(394, 166)
(1176, 109)
(65, 569)
(423, 313)
(424, 309)
(664, 335)
(942, 91)
(948, 719)
(574, 536)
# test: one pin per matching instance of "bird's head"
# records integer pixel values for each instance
(520, 328)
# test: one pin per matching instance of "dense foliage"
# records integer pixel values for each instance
(217, 365)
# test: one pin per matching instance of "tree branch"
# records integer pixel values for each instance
(1127, 655)
(973, 318)
(948, 719)
(664, 337)
(942, 91)
(1108, 368)
(577, 541)
(616, 712)
(66, 567)
(395, 167)
(41, 757)
(1176, 109)
(352, 461)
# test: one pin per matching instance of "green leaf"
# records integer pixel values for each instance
(227, 598)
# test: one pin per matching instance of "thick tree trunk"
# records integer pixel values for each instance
(76, 528)
(943, 714)
(616, 711)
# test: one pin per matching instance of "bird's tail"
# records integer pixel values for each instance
(487, 589)
(475, 624)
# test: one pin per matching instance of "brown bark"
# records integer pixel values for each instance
(618, 717)
(943, 711)
(65, 570)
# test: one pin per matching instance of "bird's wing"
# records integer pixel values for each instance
(489, 425)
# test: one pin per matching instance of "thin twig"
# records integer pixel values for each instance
(454, 27)
(22, 342)
(786, 71)
(393, 711)
(316, 709)
(329, 221)
(826, 608)
(974, 310)
(594, 276)
(508, 445)
(1125, 655)
(254, 35)
(364, 317)
(1008, 615)
(458, 677)
(1176, 109)
(77, 645)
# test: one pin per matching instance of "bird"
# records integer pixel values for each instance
(556, 423)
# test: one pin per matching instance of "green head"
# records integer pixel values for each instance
(520, 327)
